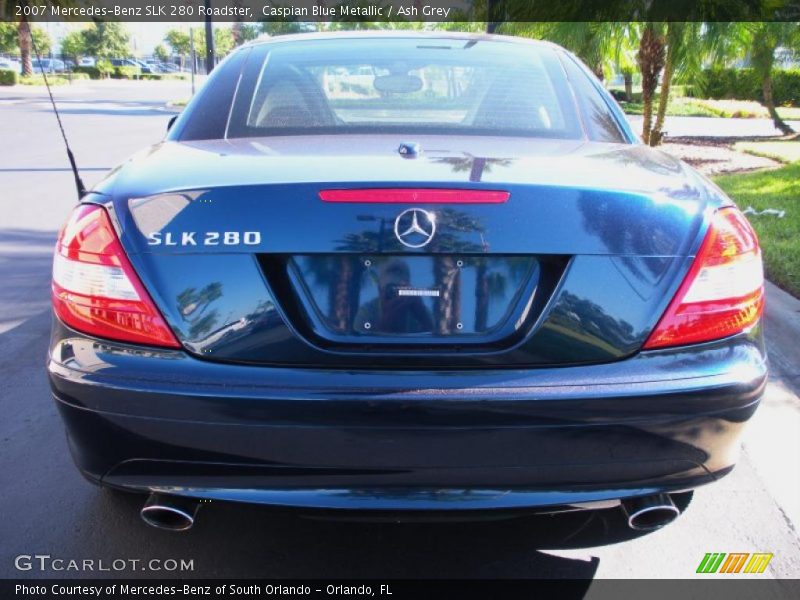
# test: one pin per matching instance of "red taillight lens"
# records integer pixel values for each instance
(723, 293)
(96, 290)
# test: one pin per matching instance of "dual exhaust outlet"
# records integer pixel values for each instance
(648, 513)
(178, 513)
(173, 513)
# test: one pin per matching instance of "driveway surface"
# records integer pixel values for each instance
(48, 508)
(715, 127)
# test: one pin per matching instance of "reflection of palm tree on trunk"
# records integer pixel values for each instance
(476, 165)
(447, 310)
(345, 280)
(481, 297)
(343, 293)
(489, 286)
(193, 304)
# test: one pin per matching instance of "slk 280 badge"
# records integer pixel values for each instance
(209, 238)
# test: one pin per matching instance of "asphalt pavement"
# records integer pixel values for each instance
(47, 508)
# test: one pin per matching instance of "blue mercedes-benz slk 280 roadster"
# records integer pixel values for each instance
(406, 272)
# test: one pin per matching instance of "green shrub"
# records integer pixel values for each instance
(164, 76)
(619, 95)
(174, 76)
(786, 87)
(90, 72)
(104, 67)
(39, 80)
(744, 84)
(126, 72)
(685, 90)
(8, 77)
(736, 84)
(52, 78)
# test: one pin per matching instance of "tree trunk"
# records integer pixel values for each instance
(236, 32)
(647, 117)
(628, 78)
(598, 72)
(666, 82)
(491, 13)
(651, 60)
(24, 39)
(769, 104)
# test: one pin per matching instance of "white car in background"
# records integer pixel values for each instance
(10, 64)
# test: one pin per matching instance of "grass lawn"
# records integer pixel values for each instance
(780, 238)
(698, 107)
(677, 107)
(782, 151)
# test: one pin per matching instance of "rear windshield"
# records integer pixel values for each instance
(430, 86)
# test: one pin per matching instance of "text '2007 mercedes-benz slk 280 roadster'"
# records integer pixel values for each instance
(407, 274)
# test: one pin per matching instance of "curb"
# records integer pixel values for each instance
(782, 329)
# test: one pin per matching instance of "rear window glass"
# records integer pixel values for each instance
(411, 85)
(597, 118)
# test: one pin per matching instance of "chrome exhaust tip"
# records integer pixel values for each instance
(172, 513)
(648, 513)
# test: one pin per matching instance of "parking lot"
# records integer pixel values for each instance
(49, 509)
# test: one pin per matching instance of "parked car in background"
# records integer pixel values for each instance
(162, 67)
(132, 62)
(10, 65)
(87, 61)
(125, 62)
(48, 65)
(146, 68)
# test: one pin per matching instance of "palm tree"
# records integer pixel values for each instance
(757, 41)
(24, 37)
(24, 33)
(686, 48)
(651, 58)
(766, 38)
(624, 56)
(595, 43)
(607, 46)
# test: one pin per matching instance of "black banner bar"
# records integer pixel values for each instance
(743, 587)
(398, 11)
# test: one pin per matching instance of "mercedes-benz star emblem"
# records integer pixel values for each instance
(415, 227)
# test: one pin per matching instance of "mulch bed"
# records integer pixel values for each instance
(715, 156)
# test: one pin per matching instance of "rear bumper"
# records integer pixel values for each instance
(394, 440)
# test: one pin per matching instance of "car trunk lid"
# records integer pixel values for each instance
(250, 263)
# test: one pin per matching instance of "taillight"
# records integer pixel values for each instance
(96, 290)
(723, 293)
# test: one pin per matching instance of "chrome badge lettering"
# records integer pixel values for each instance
(208, 238)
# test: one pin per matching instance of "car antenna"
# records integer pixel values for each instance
(78, 182)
